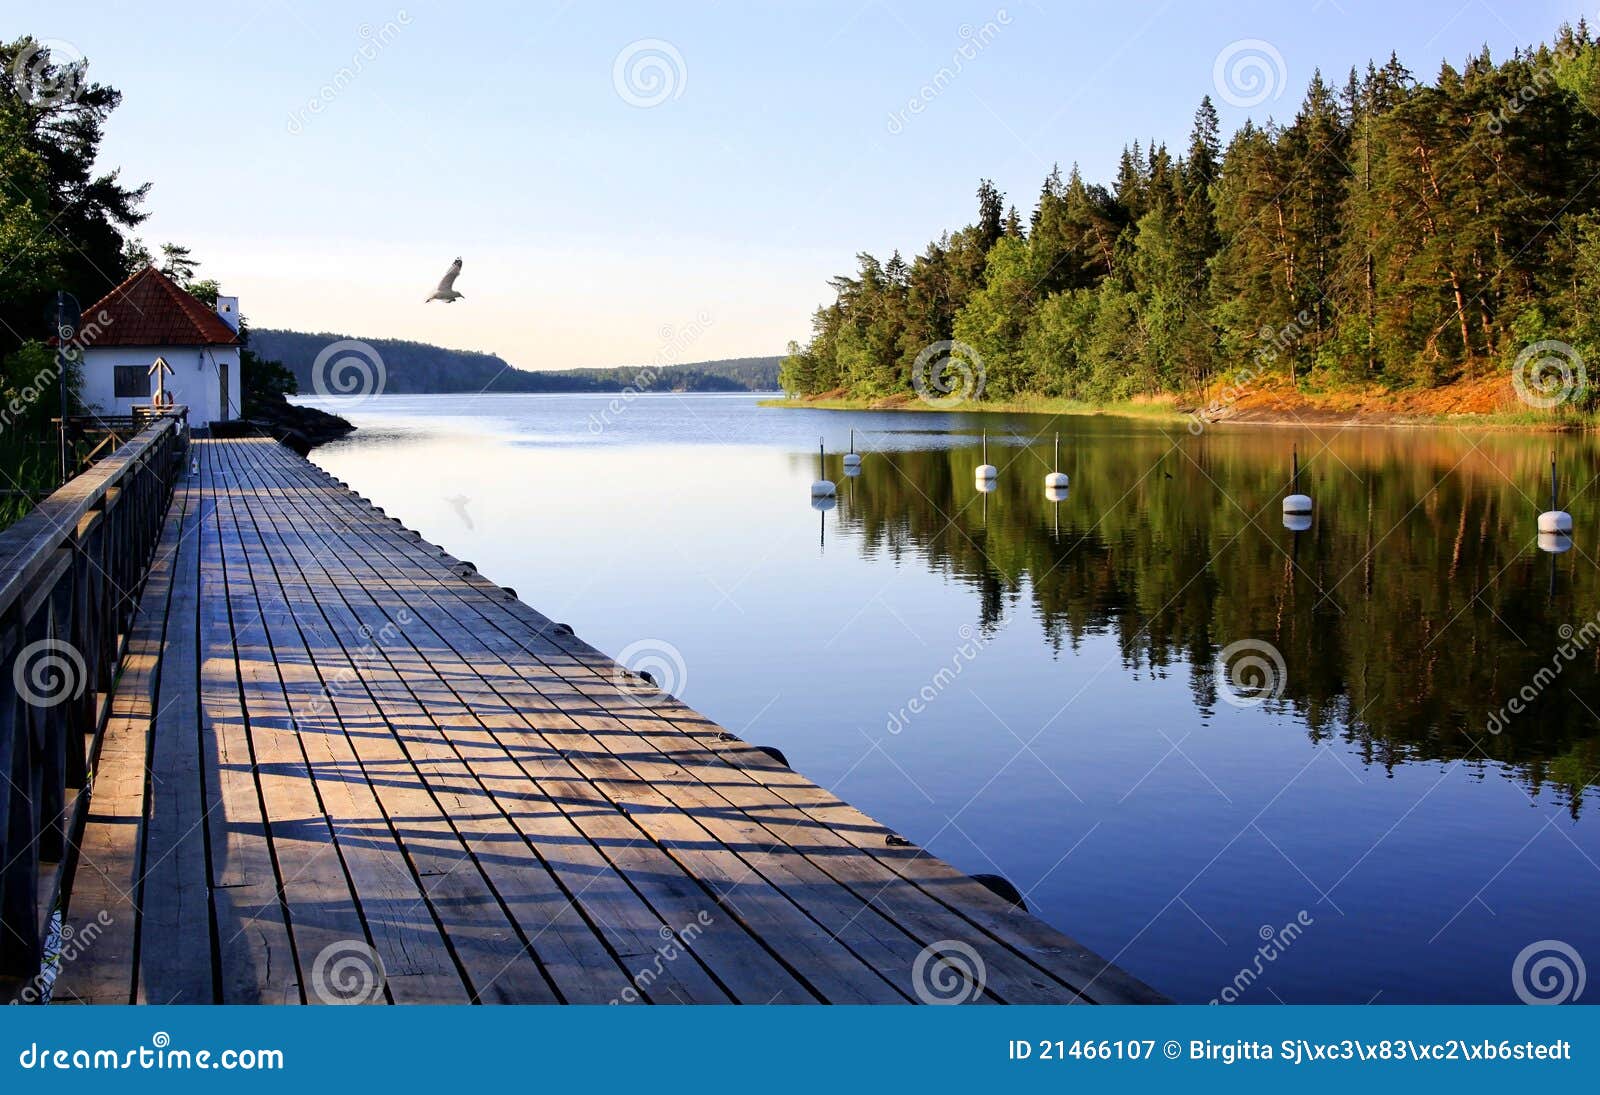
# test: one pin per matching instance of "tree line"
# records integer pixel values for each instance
(411, 366)
(1394, 232)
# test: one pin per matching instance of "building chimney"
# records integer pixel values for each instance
(228, 309)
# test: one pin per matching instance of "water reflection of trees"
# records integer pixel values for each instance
(1416, 605)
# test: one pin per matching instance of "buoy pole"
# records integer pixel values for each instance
(1055, 461)
(1552, 479)
(1294, 473)
(821, 474)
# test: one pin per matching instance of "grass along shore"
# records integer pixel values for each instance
(1488, 404)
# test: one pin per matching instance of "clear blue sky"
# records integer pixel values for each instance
(599, 232)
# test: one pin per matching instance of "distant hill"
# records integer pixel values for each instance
(415, 367)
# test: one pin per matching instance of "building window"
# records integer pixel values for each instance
(133, 381)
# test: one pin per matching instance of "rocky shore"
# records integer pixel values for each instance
(300, 428)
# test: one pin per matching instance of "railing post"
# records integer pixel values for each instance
(69, 578)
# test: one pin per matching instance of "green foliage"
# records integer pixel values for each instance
(62, 218)
(263, 381)
(1393, 231)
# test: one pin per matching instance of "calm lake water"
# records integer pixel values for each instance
(1034, 689)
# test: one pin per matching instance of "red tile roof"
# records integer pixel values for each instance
(149, 309)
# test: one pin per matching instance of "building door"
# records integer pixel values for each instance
(222, 383)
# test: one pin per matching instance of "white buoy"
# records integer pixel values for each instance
(1296, 504)
(986, 471)
(851, 458)
(1056, 480)
(1555, 542)
(823, 487)
(1554, 520)
(1055, 494)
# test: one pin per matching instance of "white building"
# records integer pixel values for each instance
(149, 316)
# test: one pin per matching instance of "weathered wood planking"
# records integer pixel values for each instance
(362, 742)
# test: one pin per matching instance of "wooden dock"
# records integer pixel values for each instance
(333, 748)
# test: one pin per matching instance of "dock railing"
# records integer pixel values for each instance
(70, 575)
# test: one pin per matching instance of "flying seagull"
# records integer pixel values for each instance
(447, 285)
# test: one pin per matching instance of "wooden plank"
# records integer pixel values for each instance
(256, 961)
(175, 959)
(326, 854)
(483, 939)
(102, 911)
